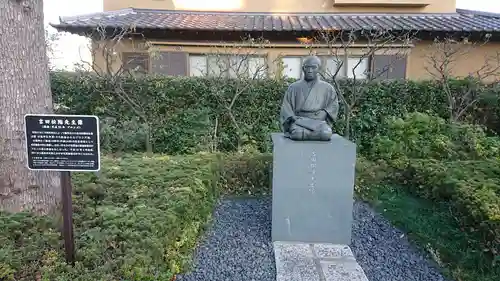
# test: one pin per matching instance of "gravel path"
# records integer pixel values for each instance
(238, 247)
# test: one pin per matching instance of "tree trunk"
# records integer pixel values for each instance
(24, 88)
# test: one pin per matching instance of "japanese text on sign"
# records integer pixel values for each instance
(57, 142)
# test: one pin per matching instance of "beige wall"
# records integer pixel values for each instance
(467, 60)
(423, 6)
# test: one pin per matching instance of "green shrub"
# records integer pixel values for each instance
(141, 217)
(246, 174)
(138, 220)
(446, 162)
(26, 241)
(473, 187)
(368, 174)
(187, 115)
(122, 135)
(423, 136)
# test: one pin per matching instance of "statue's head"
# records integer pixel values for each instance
(310, 67)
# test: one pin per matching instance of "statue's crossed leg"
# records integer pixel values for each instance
(323, 133)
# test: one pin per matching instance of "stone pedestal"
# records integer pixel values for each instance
(312, 190)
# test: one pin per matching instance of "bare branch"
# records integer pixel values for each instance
(441, 59)
(110, 63)
(244, 65)
(350, 55)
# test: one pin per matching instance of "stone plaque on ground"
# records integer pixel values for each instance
(62, 142)
(312, 190)
(316, 262)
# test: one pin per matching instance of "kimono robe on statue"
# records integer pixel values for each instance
(308, 109)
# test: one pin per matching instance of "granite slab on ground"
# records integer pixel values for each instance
(238, 246)
(316, 262)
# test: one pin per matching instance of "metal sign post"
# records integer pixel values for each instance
(64, 143)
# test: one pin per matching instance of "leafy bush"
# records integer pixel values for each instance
(246, 174)
(368, 174)
(422, 136)
(26, 241)
(185, 115)
(138, 220)
(191, 114)
(122, 135)
(473, 187)
(446, 162)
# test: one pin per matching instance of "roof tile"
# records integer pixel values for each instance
(463, 20)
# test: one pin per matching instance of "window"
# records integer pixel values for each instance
(292, 67)
(135, 62)
(257, 67)
(227, 66)
(197, 65)
(360, 67)
(332, 66)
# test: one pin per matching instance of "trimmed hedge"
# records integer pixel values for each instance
(446, 162)
(422, 136)
(473, 187)
(187, 115)
(138, 220)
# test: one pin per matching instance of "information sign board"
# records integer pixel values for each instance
(62, 142)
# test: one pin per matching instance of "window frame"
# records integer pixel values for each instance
(127, 62)
(226, 73)
(366, 72)
(343, 74)
(301, 58)
(190, 68)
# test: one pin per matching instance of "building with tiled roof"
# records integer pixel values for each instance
(185, 34)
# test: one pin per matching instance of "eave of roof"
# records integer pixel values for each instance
(461, 21)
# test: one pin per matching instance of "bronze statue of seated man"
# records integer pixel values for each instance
(309, 106)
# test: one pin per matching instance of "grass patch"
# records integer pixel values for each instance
(434, 227)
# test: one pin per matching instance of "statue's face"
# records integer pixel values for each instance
(311, 69)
